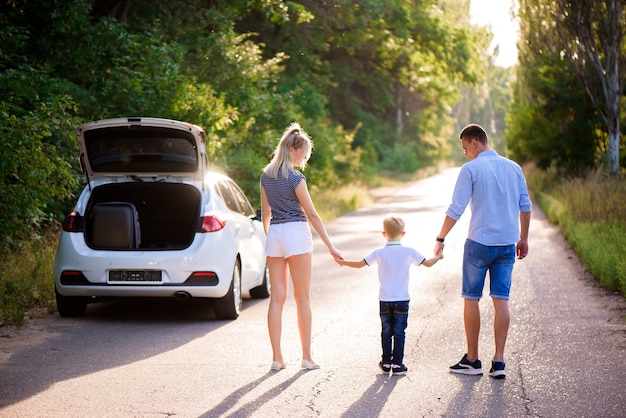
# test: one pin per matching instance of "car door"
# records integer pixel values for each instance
(249, 231)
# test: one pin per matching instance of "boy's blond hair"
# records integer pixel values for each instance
(393, 226)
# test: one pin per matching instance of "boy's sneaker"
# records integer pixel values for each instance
(386, 368)
(399, 369)
(497, 369)
(465, 366)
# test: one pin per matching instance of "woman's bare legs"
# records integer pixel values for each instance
(300, 267)
(279, 282)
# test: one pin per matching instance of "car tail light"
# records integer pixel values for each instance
(211, 223)
(73, 222)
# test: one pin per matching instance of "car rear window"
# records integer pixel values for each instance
(141, 149)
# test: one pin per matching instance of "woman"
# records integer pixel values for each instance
(287, 210)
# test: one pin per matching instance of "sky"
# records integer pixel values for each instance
(497, 14)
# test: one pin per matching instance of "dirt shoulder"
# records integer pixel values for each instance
(33, 331)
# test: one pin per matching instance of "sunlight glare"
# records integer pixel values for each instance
(497, 15)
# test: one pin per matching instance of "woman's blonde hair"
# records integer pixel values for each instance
(293, 137)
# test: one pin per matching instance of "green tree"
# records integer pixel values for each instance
(371, 81)
(563, 107)
(385, 68)
(552, 123)
(37, 117)
(233, 85)
(592, 38)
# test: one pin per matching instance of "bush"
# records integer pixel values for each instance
(590, 212)
(601, 247)
(401, 158)
(35, 176)
(26, 285)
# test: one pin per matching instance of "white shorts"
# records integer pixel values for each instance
(291, 238)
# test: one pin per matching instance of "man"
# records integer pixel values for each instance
(495, 187)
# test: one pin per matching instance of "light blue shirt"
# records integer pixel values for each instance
(495, 188)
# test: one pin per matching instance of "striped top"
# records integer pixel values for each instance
(281, 196)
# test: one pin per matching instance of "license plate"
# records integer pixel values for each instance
(135, 276)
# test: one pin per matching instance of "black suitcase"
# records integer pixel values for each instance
(115, 225)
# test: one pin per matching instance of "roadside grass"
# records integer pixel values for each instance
(332, 203)
(591, 213)
(26, 285)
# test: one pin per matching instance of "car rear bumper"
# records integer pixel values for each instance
(178, 292)
(82, 271)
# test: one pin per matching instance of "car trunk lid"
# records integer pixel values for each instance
(142, 149)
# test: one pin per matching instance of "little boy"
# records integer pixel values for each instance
(394, 260)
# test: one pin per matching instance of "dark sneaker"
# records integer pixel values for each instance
(386, 368)
(399, 369)
(465, 366)
(497, 369)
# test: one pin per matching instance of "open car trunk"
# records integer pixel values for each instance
(142, 216)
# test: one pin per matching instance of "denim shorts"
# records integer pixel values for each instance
(285, 240)
(477, 260)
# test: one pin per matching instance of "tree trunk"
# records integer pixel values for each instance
(399, 111)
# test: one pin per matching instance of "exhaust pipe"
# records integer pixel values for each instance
(181, 295)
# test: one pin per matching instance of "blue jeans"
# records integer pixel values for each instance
(477, 260)
(393, 316)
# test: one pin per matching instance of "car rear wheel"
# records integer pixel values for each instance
(263, 290)
(229, 307)
(68, 306)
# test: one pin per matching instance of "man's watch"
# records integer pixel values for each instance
(439, 239)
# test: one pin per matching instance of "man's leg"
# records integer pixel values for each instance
(471, 317)
(501, 321)
(475, 265)
(474, 273)
(501, 273)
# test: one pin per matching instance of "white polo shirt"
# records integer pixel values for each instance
(394, 261)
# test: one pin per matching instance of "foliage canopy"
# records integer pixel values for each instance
(368, 80)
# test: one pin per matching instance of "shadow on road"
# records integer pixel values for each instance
(251, 407)
(111, 335)
(459, 405)
(494, 406)
(374, 398)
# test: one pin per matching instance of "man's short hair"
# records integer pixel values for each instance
(474, 131)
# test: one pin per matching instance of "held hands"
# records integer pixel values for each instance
(336, 254)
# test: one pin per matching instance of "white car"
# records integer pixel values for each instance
(153, 221)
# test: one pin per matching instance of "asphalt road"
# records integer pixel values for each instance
(566, 352)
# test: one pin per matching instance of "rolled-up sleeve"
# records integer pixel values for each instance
(525, 204)
(462, 194)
